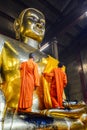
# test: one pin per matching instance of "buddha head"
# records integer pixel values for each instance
(30, 24)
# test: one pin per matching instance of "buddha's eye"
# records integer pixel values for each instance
(32, 18)
(35, 19)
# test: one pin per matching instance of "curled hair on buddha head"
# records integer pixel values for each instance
(31, 55)
(60, 65)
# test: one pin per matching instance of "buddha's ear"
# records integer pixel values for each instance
(17, 28)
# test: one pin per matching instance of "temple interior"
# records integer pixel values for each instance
(56, 31)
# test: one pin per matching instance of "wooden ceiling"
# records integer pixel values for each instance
(66, 20)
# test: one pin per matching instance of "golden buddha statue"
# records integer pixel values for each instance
(30, 30)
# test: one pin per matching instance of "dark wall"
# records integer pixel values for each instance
(77, 75)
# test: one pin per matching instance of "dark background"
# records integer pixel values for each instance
(66, 21)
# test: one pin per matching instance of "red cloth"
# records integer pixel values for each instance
(58, 80)
(29, 80)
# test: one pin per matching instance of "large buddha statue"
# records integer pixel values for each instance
(30, 31)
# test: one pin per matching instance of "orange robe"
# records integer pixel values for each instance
(51, 63)
(29, 80)
(58, 80)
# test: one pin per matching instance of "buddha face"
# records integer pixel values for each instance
(32, 24)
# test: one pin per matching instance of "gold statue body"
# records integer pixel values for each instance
(30, 30)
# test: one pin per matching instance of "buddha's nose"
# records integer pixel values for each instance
(39, 25)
